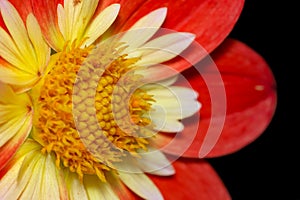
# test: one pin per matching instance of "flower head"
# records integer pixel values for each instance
(93, 104)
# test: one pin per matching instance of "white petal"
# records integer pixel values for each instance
(144, 29)
(159, 74)
(174, 102)
(154, 161)
(98, 190)
(140, 184)
(101, 23)
(167, 125)
(163, 48)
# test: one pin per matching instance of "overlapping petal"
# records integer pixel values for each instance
(70, 22)
(44, 183)
(15, 122)
(251, 101)
(210, 20)
(249, 86)
(23, 52)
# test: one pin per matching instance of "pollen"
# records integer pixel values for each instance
(89, 112)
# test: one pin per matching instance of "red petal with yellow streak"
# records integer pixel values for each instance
(46, 14)
(10, 148)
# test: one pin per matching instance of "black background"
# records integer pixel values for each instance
(267, 168)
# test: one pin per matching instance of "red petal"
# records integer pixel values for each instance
(46, 14)
(23, 7)
(2, 25)
(250, 97)
(193, 180)
(210, 20)
(11, 147)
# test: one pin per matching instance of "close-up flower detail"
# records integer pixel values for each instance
(117, 99)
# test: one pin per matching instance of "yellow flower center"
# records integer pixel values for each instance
(85, 112)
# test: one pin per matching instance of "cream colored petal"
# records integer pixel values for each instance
(101, 23)
(61, 15)
(174, 102)
(158, 74)
(85, 15)
(33, 175)
(78, 16)
(163, 48)
(75, 187)
(23, 168)
(155, 162)
(98, 190)
(168, 125)
(140, 184)
(8, 182)
(18, 32)
(42, 50)
(144, 29)
(32, 164)
(49, 183)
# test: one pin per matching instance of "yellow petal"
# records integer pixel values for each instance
(17, 31)
(15, 121)
(10, 52)
(17, 77)
(42, 50)
(97, 189)
(101, 23)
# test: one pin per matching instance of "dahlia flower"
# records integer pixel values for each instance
(125, 99)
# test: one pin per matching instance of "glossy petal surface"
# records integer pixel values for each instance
(250, 103)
